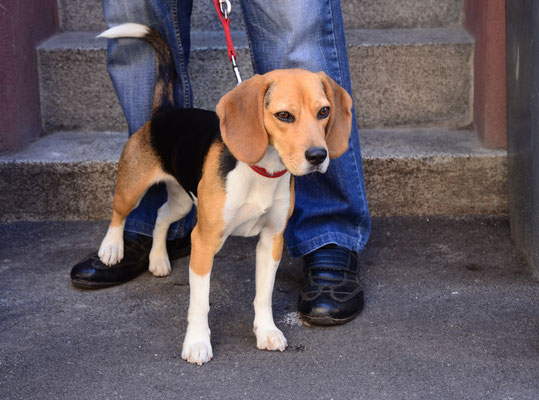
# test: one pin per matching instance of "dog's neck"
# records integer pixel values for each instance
(271, 162)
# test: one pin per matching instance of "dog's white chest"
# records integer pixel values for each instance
(254, 202)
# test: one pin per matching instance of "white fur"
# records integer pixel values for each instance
(111, 250)
(125, 30)
(196, 345)
(178, 204)
(268, 336)
(254, 201)
(324, 166)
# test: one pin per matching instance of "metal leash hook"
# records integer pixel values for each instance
(223, 8)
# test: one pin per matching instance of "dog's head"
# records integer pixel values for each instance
(306, 116)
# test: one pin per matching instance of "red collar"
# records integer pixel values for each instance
(264, 172)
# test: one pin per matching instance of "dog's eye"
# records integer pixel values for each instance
(323, 113)
(285, 116)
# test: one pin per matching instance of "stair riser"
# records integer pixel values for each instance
(435, 186)
(394, 85)
(57, 191)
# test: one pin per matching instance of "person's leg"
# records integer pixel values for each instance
(131, 64)
(330, 208)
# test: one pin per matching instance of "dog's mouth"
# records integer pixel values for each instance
(321, 168)
(303, 167)
(318, 168)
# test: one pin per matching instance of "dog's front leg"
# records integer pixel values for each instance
(196, 345)
(268, 256)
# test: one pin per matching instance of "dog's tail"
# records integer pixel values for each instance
(164, 92)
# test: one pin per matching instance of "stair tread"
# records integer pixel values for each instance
(422, 142)
(71, 147)
(74, 147)
(203, 40)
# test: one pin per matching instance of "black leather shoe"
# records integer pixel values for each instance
(91, 273)
(332, 293)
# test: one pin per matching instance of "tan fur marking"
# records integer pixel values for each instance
(206, 238)
(292, 198)
(138, 169)
(277, 249)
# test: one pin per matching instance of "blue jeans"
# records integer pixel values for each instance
(330, 207)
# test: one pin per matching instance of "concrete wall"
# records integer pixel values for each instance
(23, 24)
(485, 20)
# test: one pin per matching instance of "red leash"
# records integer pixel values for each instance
(223, 8)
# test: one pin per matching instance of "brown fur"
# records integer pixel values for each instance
(207, 237)
(138, 169)
(340, 119)
(164, 89)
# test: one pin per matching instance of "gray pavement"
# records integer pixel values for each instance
(452, 313)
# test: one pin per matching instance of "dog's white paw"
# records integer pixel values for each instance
(111, 250)
(270, 339)
(159, 265)
(197, 352)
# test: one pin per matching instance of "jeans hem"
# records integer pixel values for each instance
(341, 239)
(143, 228)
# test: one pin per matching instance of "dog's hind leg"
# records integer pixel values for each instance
(178, 204)
(111, 250)
(137, 171)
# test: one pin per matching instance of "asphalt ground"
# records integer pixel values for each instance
(452, 312)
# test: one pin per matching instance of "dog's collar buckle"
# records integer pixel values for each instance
(264, 172)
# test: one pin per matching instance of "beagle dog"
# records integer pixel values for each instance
(236, 166)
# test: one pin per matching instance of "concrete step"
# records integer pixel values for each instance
(87, 15)
(401, 77)
(69, 176)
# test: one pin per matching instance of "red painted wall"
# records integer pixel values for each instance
(23, 24)
(485, 20)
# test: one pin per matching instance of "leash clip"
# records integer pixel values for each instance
(223, 8)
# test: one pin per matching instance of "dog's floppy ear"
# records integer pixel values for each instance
(340, 117)
(241, 115)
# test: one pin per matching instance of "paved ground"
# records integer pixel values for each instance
(452, 313)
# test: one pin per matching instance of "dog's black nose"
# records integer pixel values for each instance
(316, 155)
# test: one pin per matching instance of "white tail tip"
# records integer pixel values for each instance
(125, 30)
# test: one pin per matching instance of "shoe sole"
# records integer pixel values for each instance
(327, 321)
(94, 285)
